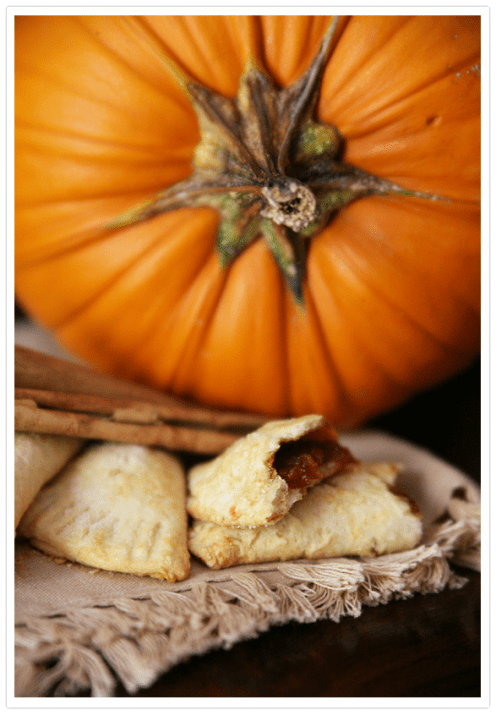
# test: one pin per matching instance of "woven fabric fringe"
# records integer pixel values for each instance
(134, 641)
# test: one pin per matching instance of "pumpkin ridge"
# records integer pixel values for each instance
(274, 31)
(81, 137)
(343, 395)
(148, 335)
(160, 43)
(113, 280)
(71, 244)
(364, 350)
(77, 92)
(99, 40)
(399, 386)
(286, 315)
(183, 362)
(161, 52)
(375, 290)
(57, 251)
(253, 31)
(89, 303)
(365, 59)
(138, 197)
(161, 49)
(405, 99)
(183, 154)
(205, 59)
(152, 328)
(427, 84)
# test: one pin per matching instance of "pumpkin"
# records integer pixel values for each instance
(159, 157)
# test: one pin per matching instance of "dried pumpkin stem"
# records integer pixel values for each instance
(268, 166)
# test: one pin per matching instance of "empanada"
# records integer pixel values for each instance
(356, 513)
(37, 459)
(258, 478)
(116, 506)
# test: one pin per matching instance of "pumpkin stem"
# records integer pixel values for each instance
(290, 203)
(268, 166)
(301, 98)
(289, 251)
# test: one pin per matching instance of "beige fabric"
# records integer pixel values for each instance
(38, 458)
(115, 506)
(353, 514)
(240, 486)
(66, 641)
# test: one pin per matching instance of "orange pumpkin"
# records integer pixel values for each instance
(390, 300)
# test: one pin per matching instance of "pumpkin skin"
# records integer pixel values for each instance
(392, 290)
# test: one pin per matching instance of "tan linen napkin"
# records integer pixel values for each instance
(80, 629)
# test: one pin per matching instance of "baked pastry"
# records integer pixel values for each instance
(256, 480)
(118, 507)
(356, 513)
(38, 458)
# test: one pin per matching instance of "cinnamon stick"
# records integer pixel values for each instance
(59, 397)
(114, 406)
(56, 422)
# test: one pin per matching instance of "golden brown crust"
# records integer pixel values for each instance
(38, 458)
(354, 514)
(117, 507)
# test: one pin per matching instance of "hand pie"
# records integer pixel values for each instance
(118, 507)
(38, 458)
(356, 513)
(257, 479)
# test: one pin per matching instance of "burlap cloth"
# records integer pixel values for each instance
(79, 629)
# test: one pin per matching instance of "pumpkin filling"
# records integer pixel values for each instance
(268, 166)
(305, 462)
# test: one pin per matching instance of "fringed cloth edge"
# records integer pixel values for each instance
(79, 651)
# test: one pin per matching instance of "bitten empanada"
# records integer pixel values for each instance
(357, 513)
(117, 507)
(258, 478)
